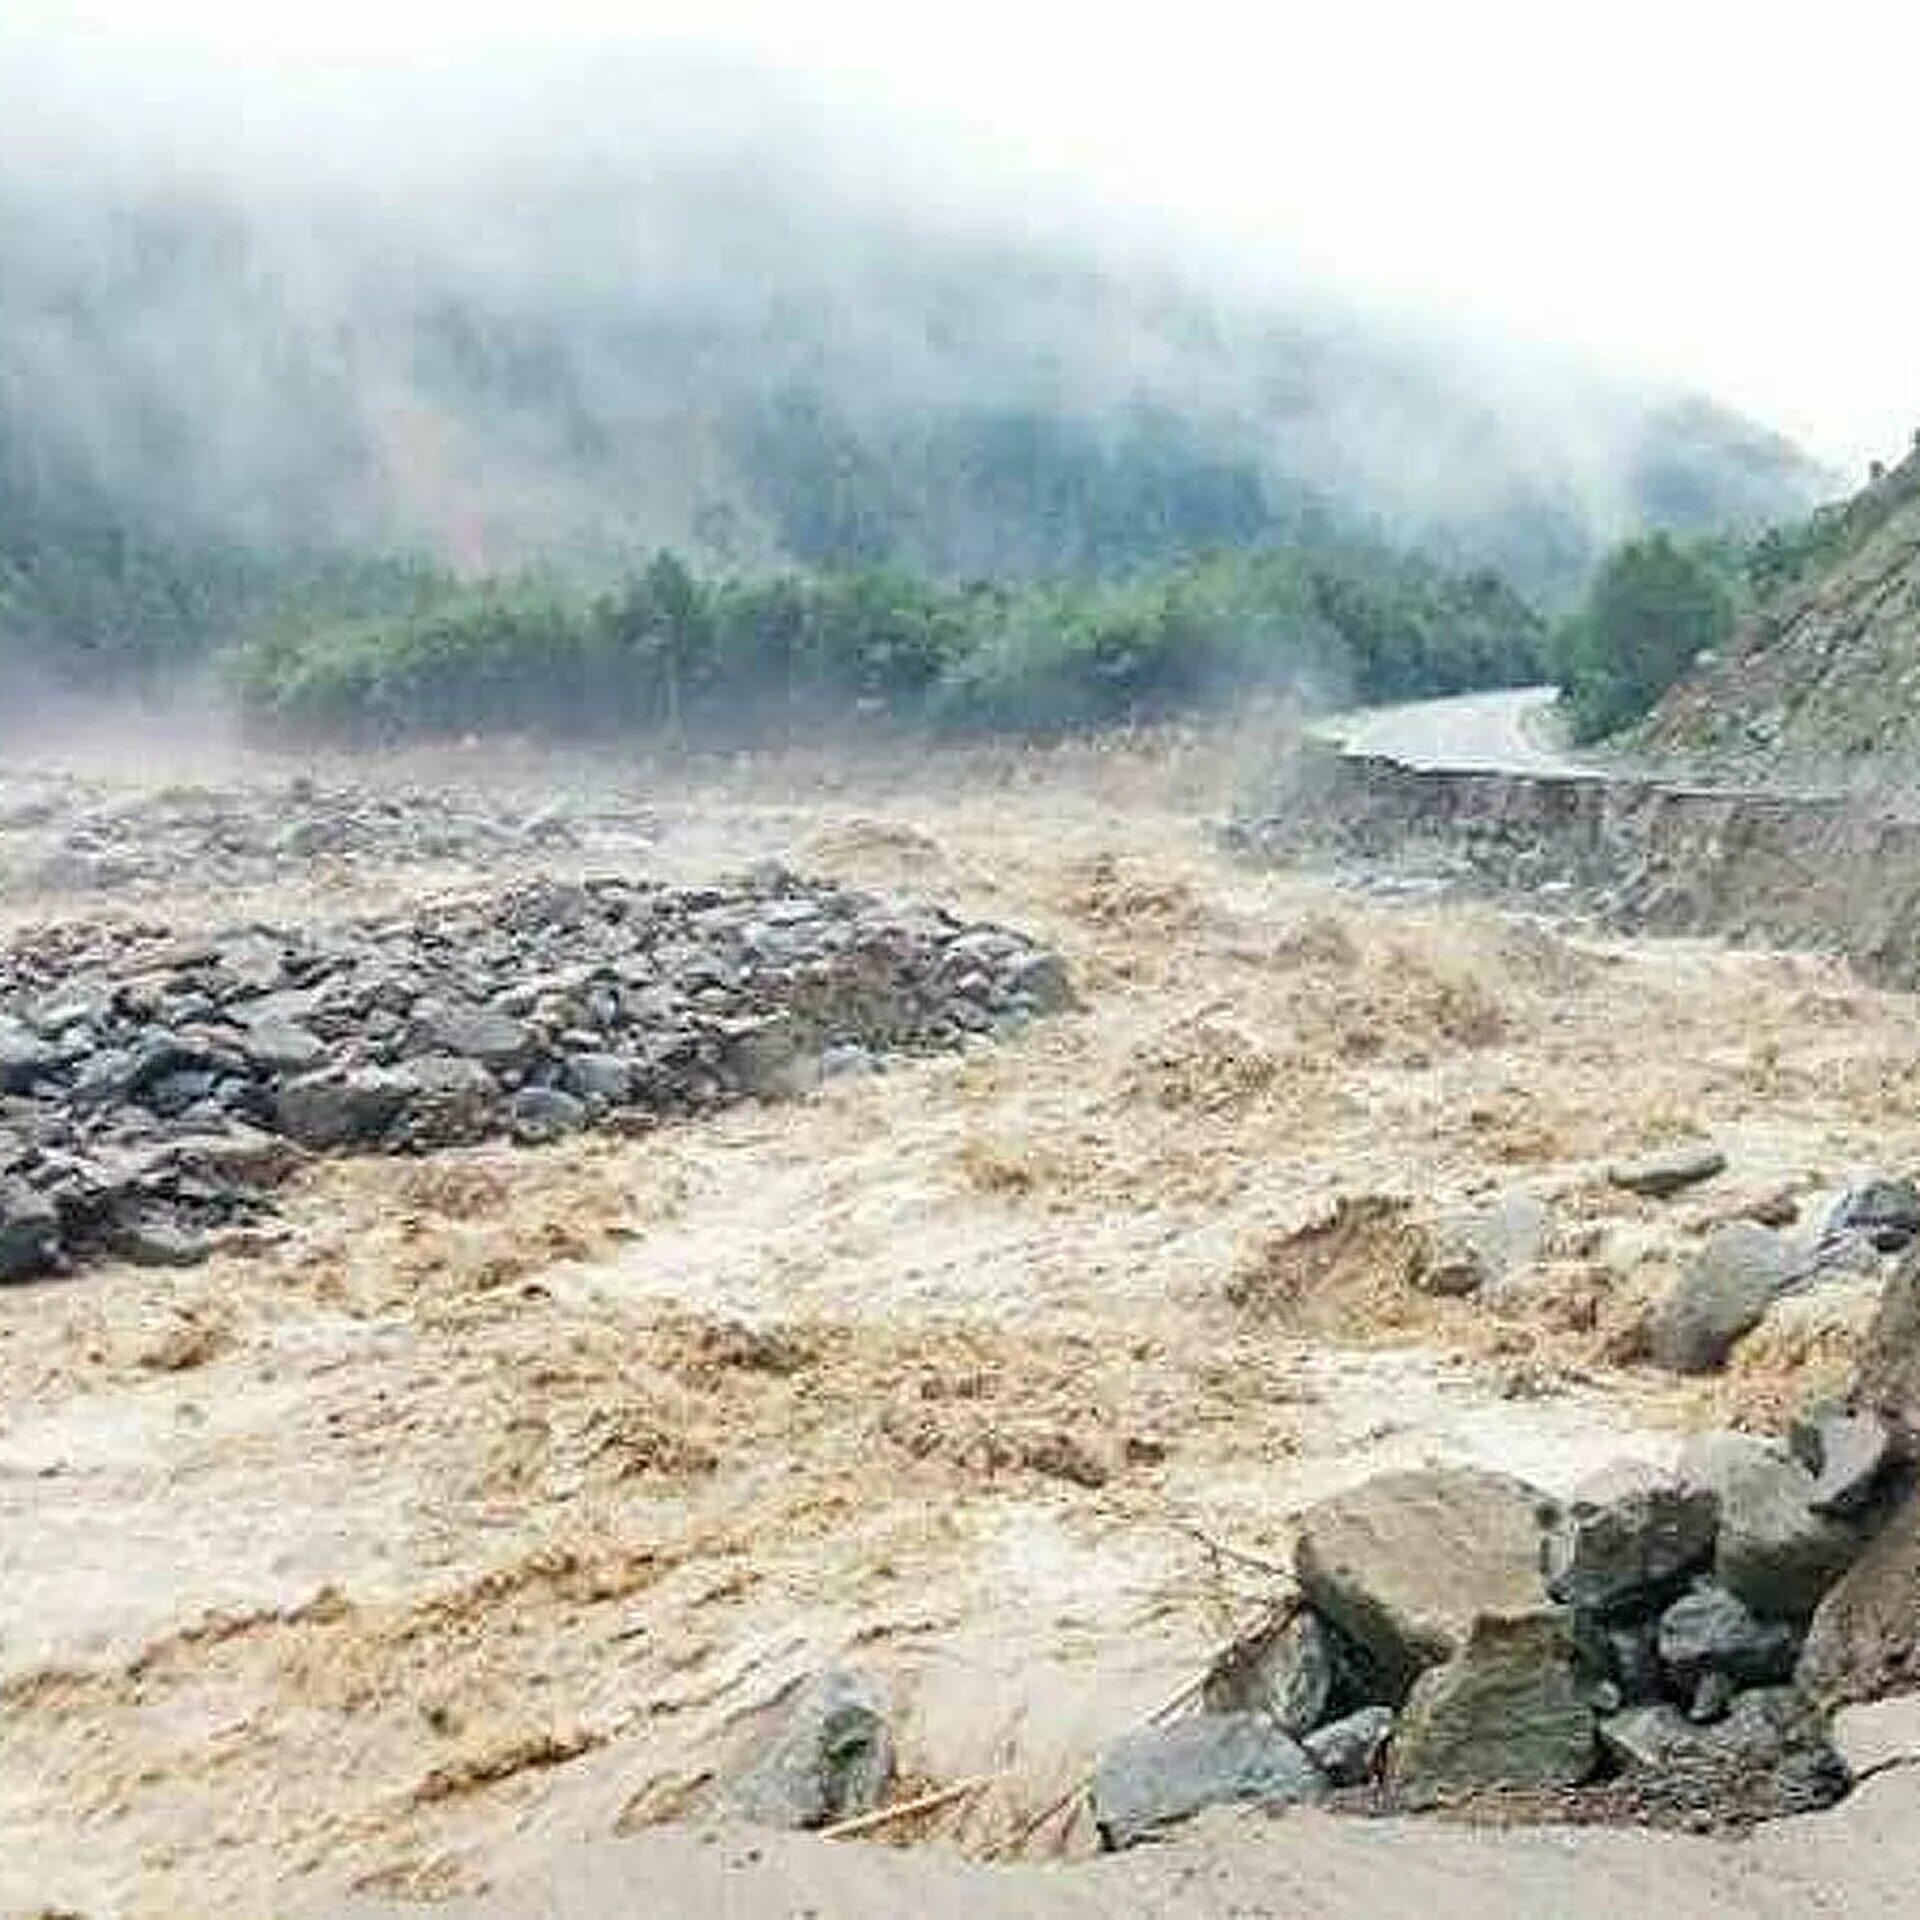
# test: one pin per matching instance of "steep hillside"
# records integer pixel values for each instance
(1822, 676)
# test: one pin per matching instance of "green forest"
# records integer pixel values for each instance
(743, 659)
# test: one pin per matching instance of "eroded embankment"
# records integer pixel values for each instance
(1792, 870)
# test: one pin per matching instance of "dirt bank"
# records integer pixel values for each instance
(489, 1508)
(1827, 873)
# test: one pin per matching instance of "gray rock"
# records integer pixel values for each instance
(1713, 1631)
(1480, 1248)
(25, 1059)
(1852, 1451)
(1042, 980)
(1404, 1563)
(1770, 1754)
(1506, 1711)
(1774, 1552)
(496, 1040)
(1724, 1294)
(598, 1076)
(1288, 1675)
(277, 1045)
(1659, 1175)
(1163, 1774)
(830, 1758)
(538, 1115)
(1886, 1212)
(354, 1107)
(1348, 1751)
(29, 1232)
(1627, 1538)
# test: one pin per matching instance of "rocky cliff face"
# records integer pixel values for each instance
(1823, 674)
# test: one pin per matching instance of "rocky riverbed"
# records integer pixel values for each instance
(464, 1505)
(154, 1086)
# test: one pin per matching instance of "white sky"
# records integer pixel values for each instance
(1718, 192)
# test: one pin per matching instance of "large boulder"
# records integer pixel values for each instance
(830, 1758)
(1888, 1380)
(1628, 1538)
(1865, 1638)
(1163, 1774)
(1506, 1711)
(1724, 1294)
(1403, 1564)
(1774, 1552)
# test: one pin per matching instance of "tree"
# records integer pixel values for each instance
(1654, 608)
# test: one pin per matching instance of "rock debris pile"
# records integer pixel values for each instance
(153, 1087)
(67, 837)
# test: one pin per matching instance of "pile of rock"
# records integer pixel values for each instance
(150, 1086)
(1461, 1634)
(62, 836)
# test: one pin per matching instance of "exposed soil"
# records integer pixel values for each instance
(491, 1504)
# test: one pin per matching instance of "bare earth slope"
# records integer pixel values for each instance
(1823, 674)
(484, 1515)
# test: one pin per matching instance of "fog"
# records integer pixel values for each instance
(556, 307)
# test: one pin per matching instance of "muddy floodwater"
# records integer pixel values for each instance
(485, 1505)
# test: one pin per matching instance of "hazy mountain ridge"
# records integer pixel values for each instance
(756, 364)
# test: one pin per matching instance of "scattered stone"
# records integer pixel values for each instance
(1348, 1751)
(1878, 1734)
(1163, 1774)
(1724, 1294)
(1711, 1631)
(1712, 1699)
(1629, 1536)
(29, 1232)
(1404, 1563)
(1885, 1212)
(1657, 1176)
(1288, 1675)
(1480, 1248)
(1774, 1552)
(1506, 1711)
(830, 1758)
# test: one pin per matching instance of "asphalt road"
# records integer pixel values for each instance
(1513, 731)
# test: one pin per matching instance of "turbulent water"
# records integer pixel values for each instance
(482, 1509)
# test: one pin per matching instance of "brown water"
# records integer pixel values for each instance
(492, 1508)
